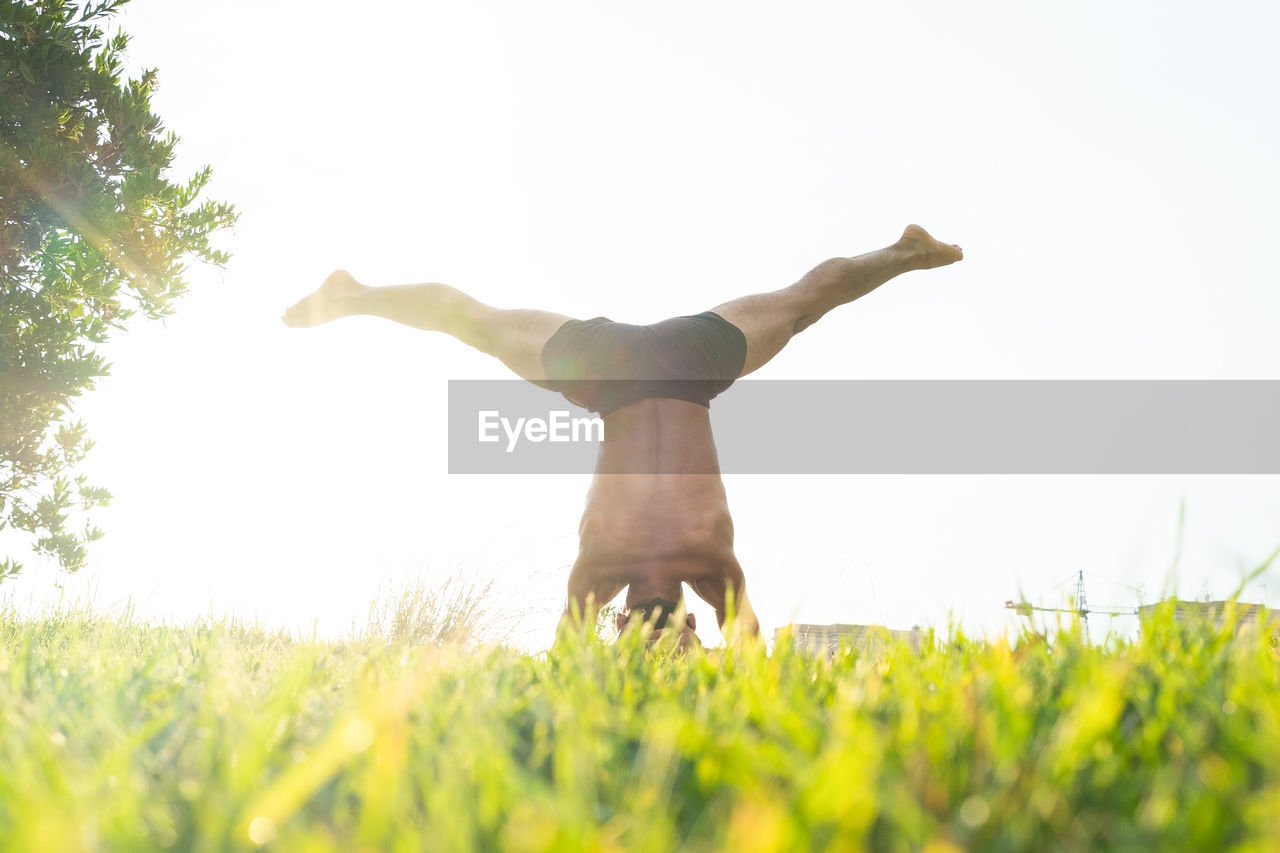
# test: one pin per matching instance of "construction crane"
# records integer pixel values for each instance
(1082, 608)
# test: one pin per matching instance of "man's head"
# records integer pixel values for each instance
(659, 616)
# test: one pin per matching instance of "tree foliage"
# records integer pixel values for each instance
(92, 232)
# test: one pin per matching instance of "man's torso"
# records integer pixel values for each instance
(656, 511)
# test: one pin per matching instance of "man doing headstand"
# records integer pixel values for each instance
(656, 514)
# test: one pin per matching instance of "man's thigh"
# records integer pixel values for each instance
(767, 320)
(518, 336)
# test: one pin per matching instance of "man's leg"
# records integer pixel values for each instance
(769, 320)
(514, 336)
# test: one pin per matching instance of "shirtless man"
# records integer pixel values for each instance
(656, 513)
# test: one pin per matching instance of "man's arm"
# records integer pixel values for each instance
(585, 598)
(728, 596)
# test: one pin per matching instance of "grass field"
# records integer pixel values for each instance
(118, 735)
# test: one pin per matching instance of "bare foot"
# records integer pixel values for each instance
(927, 251)
(333, 299)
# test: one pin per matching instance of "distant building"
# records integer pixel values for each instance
(828, 639)
(1247, 616)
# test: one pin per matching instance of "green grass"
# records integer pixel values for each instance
(120, 735)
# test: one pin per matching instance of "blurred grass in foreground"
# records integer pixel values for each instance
(220, 736)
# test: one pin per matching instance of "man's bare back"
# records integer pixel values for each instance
(656, 515)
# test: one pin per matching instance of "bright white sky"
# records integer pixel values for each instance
(1109, 168)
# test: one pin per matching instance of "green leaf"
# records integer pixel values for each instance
(96, 224)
